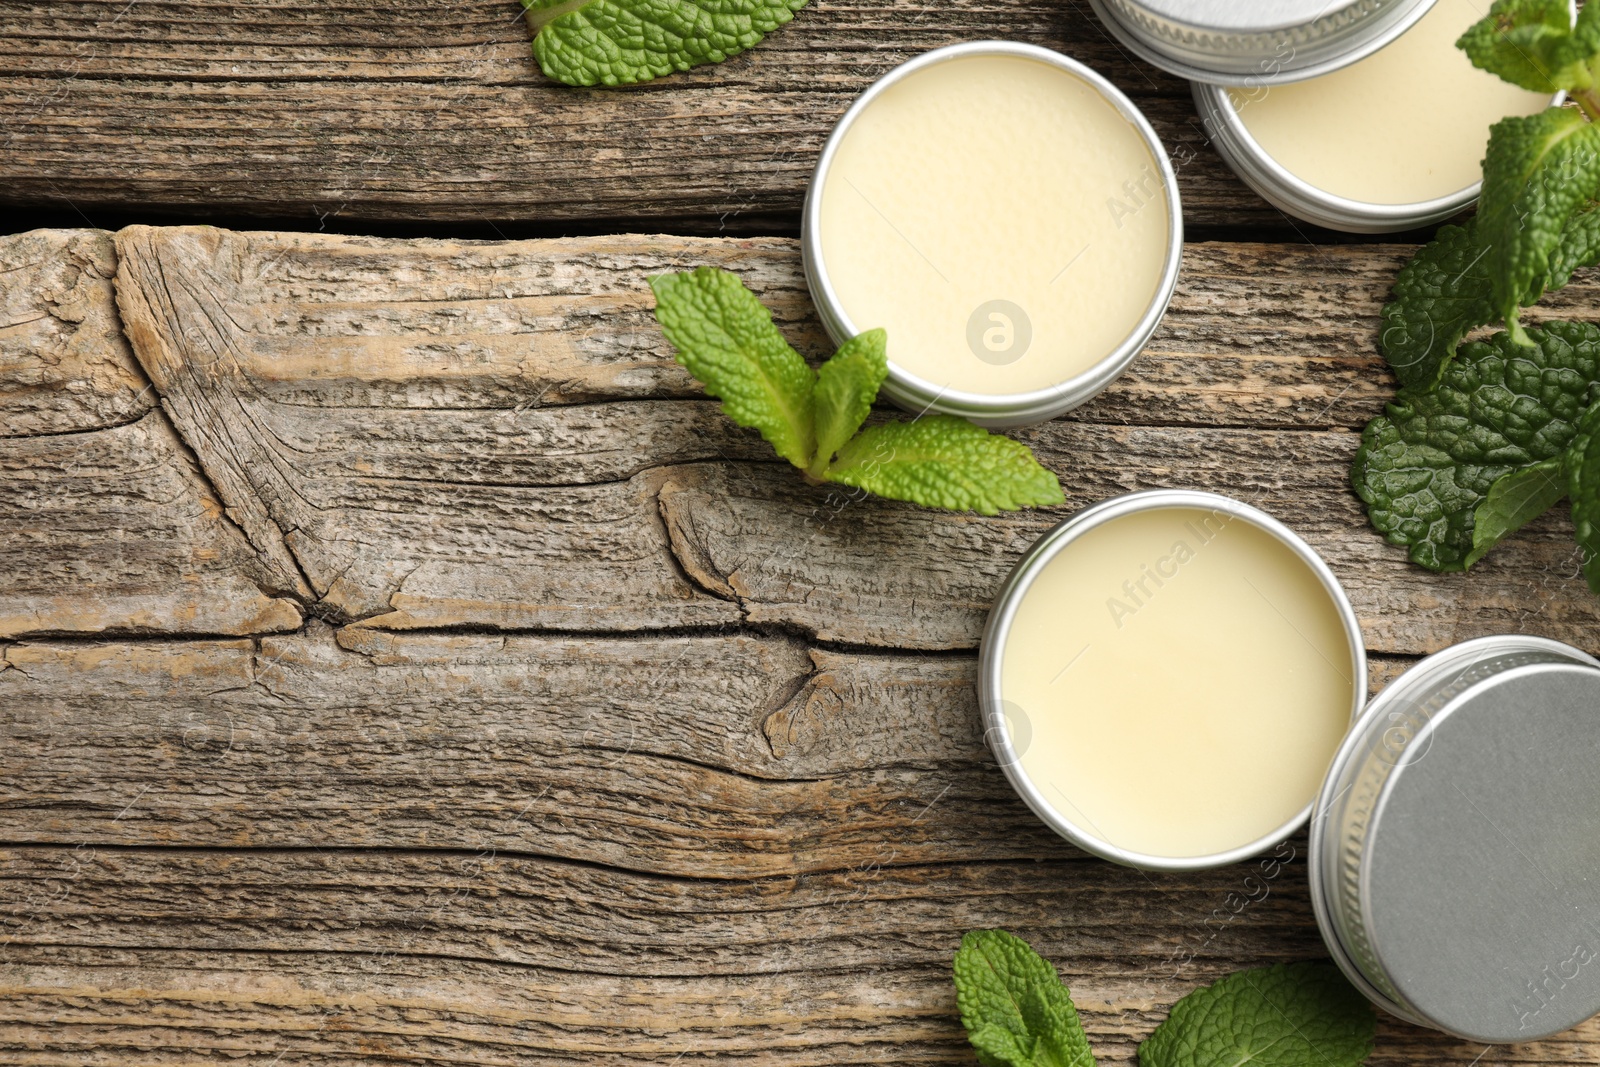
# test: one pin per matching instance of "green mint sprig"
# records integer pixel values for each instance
(1484, 437)
(726, 339)
(624, 42)
(1016, 1010)
(1018, 1013)
(1537, 171)
(1288, 1015)
(1534, 44)
(1444, 293)
(1582, 464)
(1430, 468)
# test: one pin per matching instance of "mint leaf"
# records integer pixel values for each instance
(1513, 501)
(727, 340)
(941, 461)
(1013, 1004)
(846, 386)
(996, 1046)
(1529, 43)
(1430, 460)
(1290, 1015)
(623, 42)
(1443, 293)
(1583, 484)
(1439, 296)
(1536, 172)
(1048, 1012)
(1579, 247)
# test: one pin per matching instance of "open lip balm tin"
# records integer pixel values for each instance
(1287, 192)
(995, 312)
(1263, 42)
(1217, 612)
(1455, 864)
(1374, 178)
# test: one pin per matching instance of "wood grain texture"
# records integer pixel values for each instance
(1261, 335)
(116, 530)
(446, 434)
(436, 110)
(792, 555)
(135, 1006)
(487, 958)
(568, 866)
(106, 523)
(64, 363)
(729, 757)
(525, 911)
(408, 741)
(603, 736)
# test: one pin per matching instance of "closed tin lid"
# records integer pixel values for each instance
(1265, 42)
(1461, 872)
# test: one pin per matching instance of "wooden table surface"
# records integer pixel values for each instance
(401, 660)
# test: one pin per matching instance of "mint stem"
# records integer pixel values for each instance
(1588, 101)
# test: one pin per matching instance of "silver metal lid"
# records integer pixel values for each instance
(1455, 851)
(1264, 42)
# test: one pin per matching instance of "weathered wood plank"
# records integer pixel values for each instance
(106, 524)
(385, 847)
(525, 744)
(115, 530)
(64, 364)
(70, 1006)
(844, 567)
(520, 553)
(437, 111)
(390, 407)
(1260, 335)
(486, 906)
(720, 757)
(484, 958)
(286, 938)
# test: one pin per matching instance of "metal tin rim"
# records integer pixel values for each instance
(1322, 854)
(1290, 193)
(1231, 71)
(1293, 194)
(999, 410)
(1392, 782)
(1016, 585)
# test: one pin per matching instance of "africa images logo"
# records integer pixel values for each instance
(999, 332)
(1137, 591)
(1547, 985)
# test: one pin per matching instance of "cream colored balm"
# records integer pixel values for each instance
(1176, 681)
(1000, 218)
(1407, 124)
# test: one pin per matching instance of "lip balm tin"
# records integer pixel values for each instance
(1289, 193)
(918, 395)
(1455, 854)
(990, 695)
(1264, 42)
